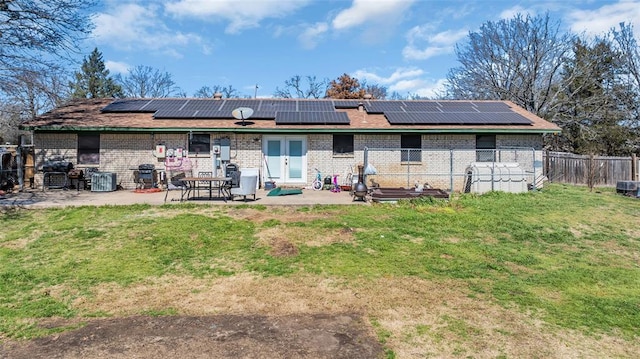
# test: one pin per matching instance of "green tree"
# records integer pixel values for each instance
(592, 107)
(93, 80)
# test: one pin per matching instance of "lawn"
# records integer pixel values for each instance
(552, 273)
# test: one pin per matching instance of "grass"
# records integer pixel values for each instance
(563, 255)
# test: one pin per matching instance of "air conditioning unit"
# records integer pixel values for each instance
(103, 182)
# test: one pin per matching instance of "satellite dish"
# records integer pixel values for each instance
(242, 113)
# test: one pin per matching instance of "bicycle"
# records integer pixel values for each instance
(317, 183)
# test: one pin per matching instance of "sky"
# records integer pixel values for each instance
(256, 45)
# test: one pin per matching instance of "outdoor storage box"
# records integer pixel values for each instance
(627, 187)
(269, 185)
(103, 182)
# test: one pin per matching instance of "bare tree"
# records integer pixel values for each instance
(518, 60)
(225, 91)
(295, 87)
(35, 34)
(34, 91)
(35, 38)
(145, 81)
(376, 91)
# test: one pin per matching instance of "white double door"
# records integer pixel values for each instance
(285, 159)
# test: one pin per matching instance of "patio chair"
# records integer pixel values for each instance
(247, 187)
(202, 184)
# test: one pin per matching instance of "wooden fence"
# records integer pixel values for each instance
(563, 167)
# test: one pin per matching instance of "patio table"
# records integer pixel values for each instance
(215, 183)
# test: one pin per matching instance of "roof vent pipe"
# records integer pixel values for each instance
(360, 107)
(217, 95)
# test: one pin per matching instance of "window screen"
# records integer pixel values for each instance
(199, 143)
(342, 144)
(88, 149)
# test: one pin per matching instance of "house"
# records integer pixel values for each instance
(288, 139)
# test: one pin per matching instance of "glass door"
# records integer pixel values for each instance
(285, 159)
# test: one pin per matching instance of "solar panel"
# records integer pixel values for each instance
(383, 106)
(455, 118)
(421, 106)
(457, 107)
(316, 118)
(173, 113)
(492, 107)
(264, 114)
(164, 104)
(346, 103)
(279, 105)
(231, 104)
(315, 105)
(201, 105)
(129, 105)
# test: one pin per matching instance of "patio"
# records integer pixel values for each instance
(36, 198)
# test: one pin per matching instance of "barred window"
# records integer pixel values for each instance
(411, 148)
(485, 148)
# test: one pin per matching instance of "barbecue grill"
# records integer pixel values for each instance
(146, 176)
(56, 174)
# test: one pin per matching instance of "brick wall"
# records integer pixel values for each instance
(123, 152)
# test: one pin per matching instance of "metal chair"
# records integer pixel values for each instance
(202, 184)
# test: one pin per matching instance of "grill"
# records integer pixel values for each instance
(146, 176)
(57, 166)
(56, 174)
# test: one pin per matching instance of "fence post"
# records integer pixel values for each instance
(366, 162)
(451, 170)
(533, 162)
(634, 167)
(409, 158)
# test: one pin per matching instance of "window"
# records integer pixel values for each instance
(88, 149)
(485, 148)
(411, 148)
(199, 143)
(343, 144)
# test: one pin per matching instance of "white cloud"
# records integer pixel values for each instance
(397, 75)
(240, 14)
(422, 43)
(312, 34)
(601, 20)
(135, 27)
(366, 11)
(117, 67)
(510, 13)
(405, 81)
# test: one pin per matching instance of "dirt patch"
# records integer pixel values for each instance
(222, 336)
(283, 248)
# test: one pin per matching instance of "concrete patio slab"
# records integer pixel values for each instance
(62, 198)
